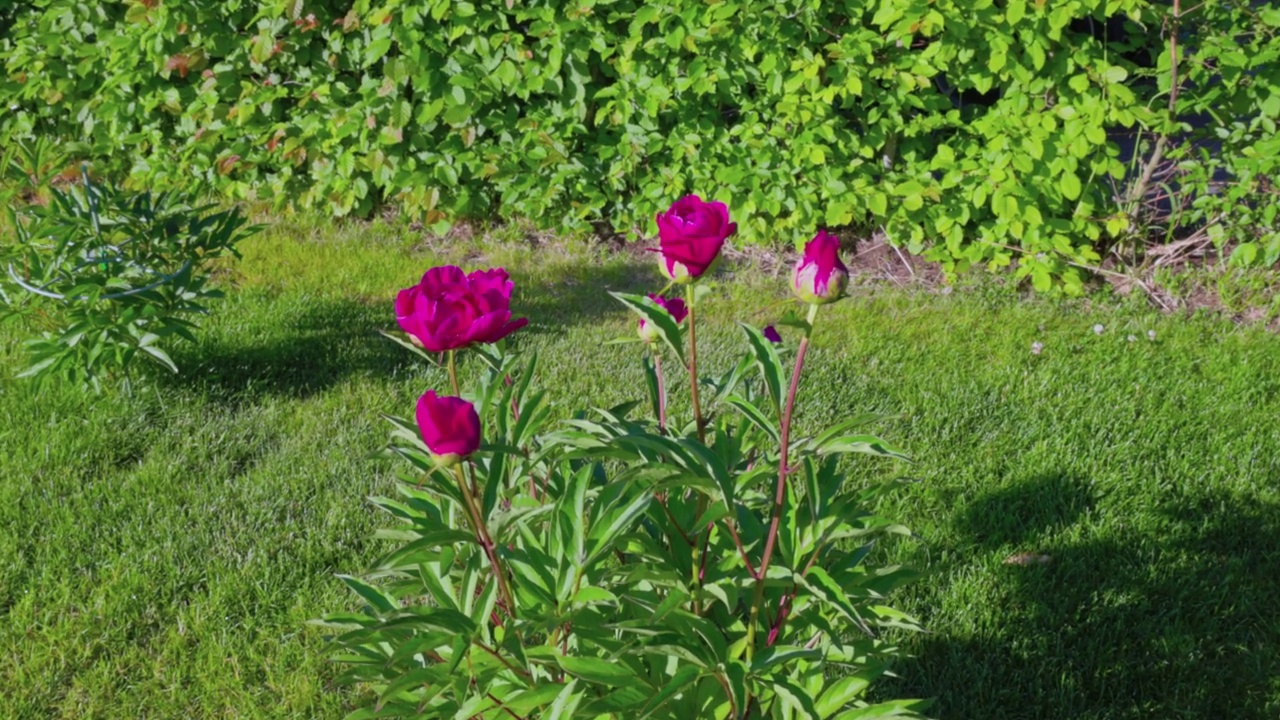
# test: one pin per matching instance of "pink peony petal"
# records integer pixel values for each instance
(406, 302)
(490, 281)
(449, 425)
(438, 281)
(487, 328)
(427, 425)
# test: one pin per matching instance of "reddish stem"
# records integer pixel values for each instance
(698, 423)
(733, 532)
(693, 371)
(780, 489)
(485, 540)
(780, 621)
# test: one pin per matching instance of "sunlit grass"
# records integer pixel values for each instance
(160, 551)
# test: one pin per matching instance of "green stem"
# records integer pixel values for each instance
(699, 566)
(693, 367)
(453, 372)
(780, 489)
(486, 542)
(662, 391)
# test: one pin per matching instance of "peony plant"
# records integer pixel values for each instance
(626, 563)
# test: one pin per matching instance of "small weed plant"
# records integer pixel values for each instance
(110, 276)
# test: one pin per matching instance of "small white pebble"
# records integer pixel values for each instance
(1097, 329)
(1133, 338)
(1036, 347)
(1151, 335)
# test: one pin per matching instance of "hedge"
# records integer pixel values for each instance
(975, 131)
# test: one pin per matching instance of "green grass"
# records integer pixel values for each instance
(160, 551)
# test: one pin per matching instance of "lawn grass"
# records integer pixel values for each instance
(161, 550)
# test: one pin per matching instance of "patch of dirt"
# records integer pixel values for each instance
(1186, 276)
(875, 259)
(870, 260)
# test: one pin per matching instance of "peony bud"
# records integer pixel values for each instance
(674, 306)
(820, 277)
(450, 427)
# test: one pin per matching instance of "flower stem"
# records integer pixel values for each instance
(693, 367)
(733, 532)
(780, 489)
(453, 372)
(699, 568)
(486, 542)
(662, 391)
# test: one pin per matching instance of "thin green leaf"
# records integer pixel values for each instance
(652, 312)
(680, 679)
(797, 699)
(598, 670)
(755, 416)
(770, 365)
(376, 598)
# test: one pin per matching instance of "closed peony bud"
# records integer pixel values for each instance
(450, 427)
(674, 306)
(820, 277)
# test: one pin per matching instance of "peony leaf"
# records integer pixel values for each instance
(651, 312)
(766, 356)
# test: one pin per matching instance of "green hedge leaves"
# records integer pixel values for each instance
(976, 131)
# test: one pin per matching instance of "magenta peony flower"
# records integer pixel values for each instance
(690, 235)
(448, 310)
(820, 277)
(450, 427)
(771, 334)
(674, 306)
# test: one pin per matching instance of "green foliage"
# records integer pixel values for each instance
(1232, 78)
(110, 275)
(27, 171)
(602, 569)
(971, 129)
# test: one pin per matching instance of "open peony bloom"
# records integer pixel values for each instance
(448, 310)
(690, 235)
(820, 277)
(450, 427)
(674, 306)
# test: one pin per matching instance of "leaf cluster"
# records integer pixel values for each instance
(608, 567)
(110, 276)
(975, 131)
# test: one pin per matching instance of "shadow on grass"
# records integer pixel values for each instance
(315, 345)
(1179, 619)
(1023, 511)
(304, 346)
(560, 294)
